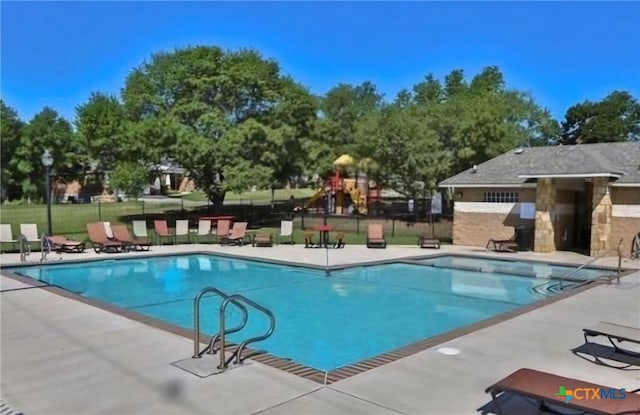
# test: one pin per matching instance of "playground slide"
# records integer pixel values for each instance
(315, 198)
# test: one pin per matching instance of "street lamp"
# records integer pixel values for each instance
(47, 161)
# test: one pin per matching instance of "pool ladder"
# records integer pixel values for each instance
(240, 301)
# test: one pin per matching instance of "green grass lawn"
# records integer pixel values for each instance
(259, 195)
(71, 219)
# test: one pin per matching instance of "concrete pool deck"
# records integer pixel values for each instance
(61, 356)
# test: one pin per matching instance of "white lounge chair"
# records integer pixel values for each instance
(6, 235)
(286, 232)
(182, 229)
(204, 229)
(30, 232)
(140, 229)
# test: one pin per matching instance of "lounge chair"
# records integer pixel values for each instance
(61, 244)
(204, 229)
(615, 334)
(502, 245)
(238, 233)
(308, 239)
(6, 236)
(375, 236)
(262, 239)
(339, 243)
(140, 229)
(162, 231)
(122, 234)
(635, 247)
(222, 230)
(99, 240)
(428, 242)
(564, 393)
(182, 229)
(108, 231)
(286, 232)
(30, 232)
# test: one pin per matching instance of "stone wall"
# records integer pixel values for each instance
(544, 240)
(601, 218)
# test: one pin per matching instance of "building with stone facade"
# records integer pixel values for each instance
(584, 198)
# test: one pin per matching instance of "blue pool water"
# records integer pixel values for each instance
(525, 268)
(322, 322)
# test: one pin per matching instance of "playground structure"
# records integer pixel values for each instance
(342, 195)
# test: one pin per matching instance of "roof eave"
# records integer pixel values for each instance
(482, 185)
(568, 175)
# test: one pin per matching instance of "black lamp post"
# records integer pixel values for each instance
(47, 161)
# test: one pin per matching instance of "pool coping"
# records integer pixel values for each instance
(316, 375)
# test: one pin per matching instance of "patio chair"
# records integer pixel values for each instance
(222, 230)
(552, 390)
(339, 243)
(30, 232)
(262, 239)
(140, 229)
(204, 229)
(428, 242)
(182, 229)
(615, 334)
(62, 244)
(99, 240)
(107, 230)
(162, 231)
(635, 247)
(6, 236)
(375, 236)
(122, 234)
(502, 245)
(237, 235)
(308, 239)
(286, 232)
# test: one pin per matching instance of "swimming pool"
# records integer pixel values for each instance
(322, 322)
(525, 268)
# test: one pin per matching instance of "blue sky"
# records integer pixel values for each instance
(56, 53)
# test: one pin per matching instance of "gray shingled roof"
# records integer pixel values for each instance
(604, 158)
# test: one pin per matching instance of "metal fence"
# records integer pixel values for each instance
(73, 218)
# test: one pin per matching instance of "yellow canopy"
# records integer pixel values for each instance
(343, 160)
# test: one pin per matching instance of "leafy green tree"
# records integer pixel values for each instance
(201, 105)
(408, 155)
(483, 119)
(129, 177)
(46, 130)
(100, 125)
(11, 131)
(614, 118)
(342, 108)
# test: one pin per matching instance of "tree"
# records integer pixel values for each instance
(201, 106)
(100, 126)
(128, 177)
(343, 107)
(614, 118)
(11, 131)
(407, 153)
(46, 130)
(479, 121)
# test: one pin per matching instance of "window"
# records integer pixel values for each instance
(501, 197)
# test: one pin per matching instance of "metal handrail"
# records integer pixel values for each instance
(568, 274)
(45, 247)
(197, 353)
(237, 354)
(24, 252)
